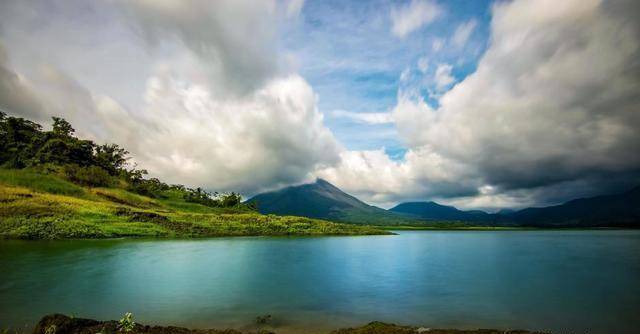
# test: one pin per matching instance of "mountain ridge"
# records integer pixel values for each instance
(323, 200)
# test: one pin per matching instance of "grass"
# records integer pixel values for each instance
(39, 182)
(40, 206)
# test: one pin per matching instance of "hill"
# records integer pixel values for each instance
(43, 206)
(435, 211)
(323, 200)
(619, 210)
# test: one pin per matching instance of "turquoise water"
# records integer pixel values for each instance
(565, 281)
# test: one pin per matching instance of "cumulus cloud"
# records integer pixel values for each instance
(273, 137)
(463, 32)
(550, 112)
(234, 38)
(443, 77)
(16, 94)
(294, 7)
(244, 126)
(412, 16)
(373, 176)
(423, 64)
(437, 44)
(553, 104)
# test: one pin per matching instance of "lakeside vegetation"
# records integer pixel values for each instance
(55, 186)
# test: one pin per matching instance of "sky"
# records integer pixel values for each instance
(477, 104)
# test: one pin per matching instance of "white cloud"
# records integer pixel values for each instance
(16, 93)
(463, 32)
(437, 44)
(234, 38)
(273, 136)
(294, 7)
(552, 106)
(409, 17)
(364, 117)
(405, 75)
(423, 64)
(531, 123)
(443, 77)
(264, 130)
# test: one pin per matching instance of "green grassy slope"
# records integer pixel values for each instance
(41, 206)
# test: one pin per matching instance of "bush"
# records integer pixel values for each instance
(201, 196)
(229, 200)
(148, 187)
(92, 176)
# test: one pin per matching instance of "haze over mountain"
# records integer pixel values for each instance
(323, 200)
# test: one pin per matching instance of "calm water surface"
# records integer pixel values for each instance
(565, 281)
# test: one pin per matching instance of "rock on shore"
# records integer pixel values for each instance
(62, 324)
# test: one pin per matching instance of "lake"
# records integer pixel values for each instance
(566, 281)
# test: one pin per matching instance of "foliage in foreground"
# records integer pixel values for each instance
(44, 206)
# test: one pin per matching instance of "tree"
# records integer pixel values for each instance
(231, 199)
(62, 128)
(19, 140)
(111, 157)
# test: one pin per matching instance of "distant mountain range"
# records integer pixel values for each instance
(323, 200)
(619, 210)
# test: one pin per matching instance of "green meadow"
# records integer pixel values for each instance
(34, 205)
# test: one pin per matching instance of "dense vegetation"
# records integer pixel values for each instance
(54, 185)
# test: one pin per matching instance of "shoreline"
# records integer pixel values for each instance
(62, 324)
(500, 228)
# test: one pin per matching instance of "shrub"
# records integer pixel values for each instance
(92, 176)
(229, 200)
(201, 196)
(148, 187)
(126, 324)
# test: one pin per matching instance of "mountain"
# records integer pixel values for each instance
(435, 211)
(620, 210)
(323, 200)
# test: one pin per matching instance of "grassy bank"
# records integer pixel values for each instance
(42, 206)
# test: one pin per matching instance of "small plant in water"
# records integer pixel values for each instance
(51, 329)
(126, 324)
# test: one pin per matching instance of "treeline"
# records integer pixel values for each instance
(24, 144)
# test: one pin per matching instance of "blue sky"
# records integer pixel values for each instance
(354, 62)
